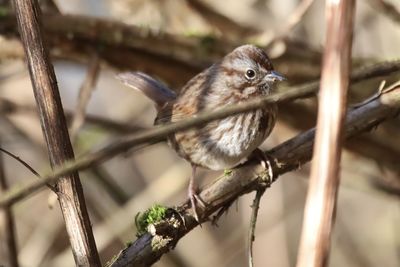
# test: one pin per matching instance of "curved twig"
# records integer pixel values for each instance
(29, 167)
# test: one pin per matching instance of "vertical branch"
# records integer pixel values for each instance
(253, 220)
(8, 231)
(78, 118)
(55, 130)
(324, 181)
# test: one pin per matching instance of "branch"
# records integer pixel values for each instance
(294, 19)
(288, 156)
(7, 230)
(173, 58)
(10, 107)
(26, 165)
(159, 133)
(85, 93)
(386, 9)
(374, 146)
(253, 220)
(221, 22)
(369, 146)
(324, 178)
(55, 130)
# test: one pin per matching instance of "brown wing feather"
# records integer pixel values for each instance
(173, 112)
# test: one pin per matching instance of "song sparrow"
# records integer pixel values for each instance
(243, 74)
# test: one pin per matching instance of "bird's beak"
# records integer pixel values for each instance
(275, 76)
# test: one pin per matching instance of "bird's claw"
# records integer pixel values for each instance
(195, 201)
(265, 161)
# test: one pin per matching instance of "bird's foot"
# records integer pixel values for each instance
(265, 163)
(195, 201)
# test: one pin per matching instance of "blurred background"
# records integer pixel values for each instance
(92, 40)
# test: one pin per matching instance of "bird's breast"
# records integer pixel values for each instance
(224, 143)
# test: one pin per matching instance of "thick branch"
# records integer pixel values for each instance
(288, 156)
(320, 205)
(55, 130)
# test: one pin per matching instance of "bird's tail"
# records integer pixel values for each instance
(149, 86)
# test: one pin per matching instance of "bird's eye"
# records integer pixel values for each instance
(250, 74)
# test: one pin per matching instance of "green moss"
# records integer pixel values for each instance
(227, 172)
(151, 216)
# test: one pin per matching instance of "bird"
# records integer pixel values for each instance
(245, 73)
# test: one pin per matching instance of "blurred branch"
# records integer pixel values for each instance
(6, 215)
(104, 178)
(49, 6)
(388, 182)
(248, 177)
(55, 130)
(169, 56)
(373, 146)
(85, 92)
(319, 212)
(386, 9)
(8, 107)
(294, 19)
(158, 133)
(224, 24)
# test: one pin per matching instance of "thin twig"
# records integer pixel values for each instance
(29, 167)
(253, 220)
(320, 205)
(32, 170)
(381, 90)
(159, 133)
(6, 215)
